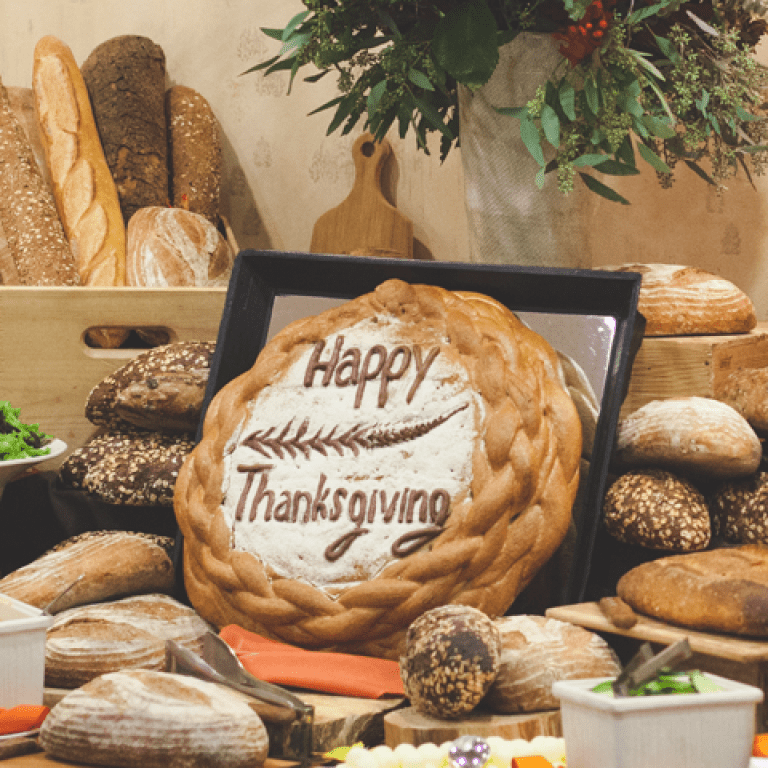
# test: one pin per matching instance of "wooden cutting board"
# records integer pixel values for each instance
(407, 726)
(365, 223)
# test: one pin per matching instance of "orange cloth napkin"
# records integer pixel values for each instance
(24, 717)
(340, 673)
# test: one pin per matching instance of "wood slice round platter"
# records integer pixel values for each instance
(407, 726)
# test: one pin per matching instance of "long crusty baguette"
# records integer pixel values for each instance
(83, 187)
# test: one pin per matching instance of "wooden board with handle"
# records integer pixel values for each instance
(365, 223)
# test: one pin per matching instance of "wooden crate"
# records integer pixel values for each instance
(46, 367)
(686, 366)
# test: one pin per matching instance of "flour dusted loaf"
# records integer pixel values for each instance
(112, 564)
(155, 720)
(677, 301)
(656, 509)
(535, 653)
(91, 640)
(83, 188)
(695, 436)
(173, 247)
(718, 590)
(125, 78)
(740, 510)
(410, 448)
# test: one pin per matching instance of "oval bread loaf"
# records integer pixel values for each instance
(154, 720)
(695, 436)
(655, 509)
(85, 193)
(112, 563)
(746, 391)
(91, 640)
(677, 300)
(740, 510)
(536, 652)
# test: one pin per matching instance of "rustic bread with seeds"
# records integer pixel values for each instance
(155, 720)
(173, 247)
(184, 357)
(658, 510)
(746, 390)
(536, 652)
(112, 563)
(695, 436)
(677, 301)
(91, 640)
(718, 590)
(131, 468)
(194, 153)
(740, 510)
(452, 656)
(85, 193)
(30, 222)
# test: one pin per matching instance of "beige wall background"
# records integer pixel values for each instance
(282, 172)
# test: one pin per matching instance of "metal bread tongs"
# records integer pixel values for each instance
(219, 664)
(644, 666)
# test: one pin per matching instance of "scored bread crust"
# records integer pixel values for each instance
(85, 193)
(525, 469)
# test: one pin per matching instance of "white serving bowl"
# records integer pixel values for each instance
(10, 470)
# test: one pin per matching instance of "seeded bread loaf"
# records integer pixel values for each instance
(30, 221)
(155, 720)
(677, 300)
(195, 153)
(656, 509)
(694, 436)
(718, 590)
(112, 563)
(536, 652)
(91, 640)
(740, 510)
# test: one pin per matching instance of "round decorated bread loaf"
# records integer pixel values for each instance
(411, 448)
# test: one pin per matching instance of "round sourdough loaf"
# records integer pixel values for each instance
(718, 590)
(740, 510)
(746, 390)
(677, 300)
(154, 720)
(695, 436)
(536, 652)
(91, 640)
(111, 563)
(410, 448)
(655, 509)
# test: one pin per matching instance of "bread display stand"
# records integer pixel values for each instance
(42, 344)
(688, 366)
(736, 658)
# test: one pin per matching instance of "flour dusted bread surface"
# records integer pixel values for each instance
(677, 300)
(536, 652)
(155, 720)
(410, 448)
(691, 435)
(112, 563)
(719, 590)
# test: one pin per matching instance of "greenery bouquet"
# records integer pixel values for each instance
(666, 81)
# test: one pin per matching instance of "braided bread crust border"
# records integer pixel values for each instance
(525, 468)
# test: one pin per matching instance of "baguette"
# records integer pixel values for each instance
(83, 187)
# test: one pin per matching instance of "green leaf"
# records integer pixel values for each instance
(420, 79)
(318, 76)
(275, 34)
(592, 94)
(590, 159)
(747, 117)
(374, 96)
(615, 168)
(639, 128)
(715, 125)
(432, 116)
(625, 152)
(644, 13)
(530, 136)
(342, 112)
(327, 105)
(702, 103)
(751, 149)
(568, 99)
(641, 59)
(668, 49)
(550, 124)
(659, 127)
(263, 65)
(293, 24)
(299, 40)
(540, 177)
(653, 159)
(600, 189)
(464, 43)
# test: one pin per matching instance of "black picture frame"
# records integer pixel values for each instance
(260, 277)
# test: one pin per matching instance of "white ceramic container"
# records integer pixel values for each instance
(695, 730)
(22, 652)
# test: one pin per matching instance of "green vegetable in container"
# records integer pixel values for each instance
(19, 440)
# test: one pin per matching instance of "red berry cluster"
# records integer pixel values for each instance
(579, 40)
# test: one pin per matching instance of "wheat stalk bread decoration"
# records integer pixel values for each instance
(524, 476)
